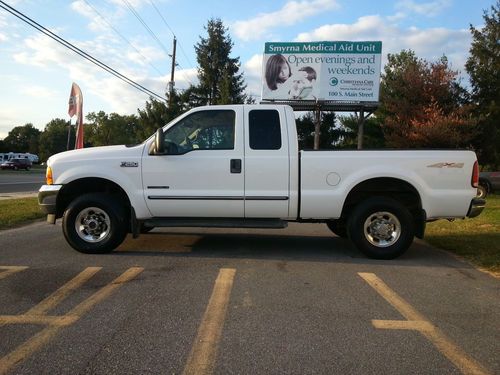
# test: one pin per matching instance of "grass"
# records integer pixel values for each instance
(17, 212)
(477, 239)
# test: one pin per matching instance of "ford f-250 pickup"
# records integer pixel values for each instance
(240, 166)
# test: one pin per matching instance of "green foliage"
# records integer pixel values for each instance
(157, 113)
(417, 96)
(483, 66)
(220, 82)
(373, 136)
(328, 133)
(112, 129)
(54, 138)
(23, 139)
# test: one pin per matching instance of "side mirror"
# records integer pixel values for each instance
(159, 142)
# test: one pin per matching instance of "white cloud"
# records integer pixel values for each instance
(291, 13)
(134, 3)
(96, 24)
(427, 43)
(39, 92)
(3, 38)
(253, 73)
(430, 9)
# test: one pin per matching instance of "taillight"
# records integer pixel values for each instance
(475, 175)
(48, 176)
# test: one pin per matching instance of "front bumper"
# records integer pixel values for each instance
(47, 198)
(476, 207)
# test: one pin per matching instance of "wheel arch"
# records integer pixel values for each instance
(391, 187)
(89, 185)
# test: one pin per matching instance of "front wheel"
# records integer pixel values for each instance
(95, 223)
(381, 227)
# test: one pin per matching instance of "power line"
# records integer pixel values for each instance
(77, 50)
(121, 36)
(153, 35)
(173, 33)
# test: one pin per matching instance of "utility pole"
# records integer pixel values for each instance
(172, 82)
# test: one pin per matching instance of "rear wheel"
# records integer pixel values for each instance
(95, 223)
(381, 227)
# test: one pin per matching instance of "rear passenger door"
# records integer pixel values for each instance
(267, 167)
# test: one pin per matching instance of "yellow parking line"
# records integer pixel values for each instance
(43, 337)
(104, 292)
(418, 322)
(201, 360)
(402, 324)
(62, 293)
(38, 319)
(9, 270)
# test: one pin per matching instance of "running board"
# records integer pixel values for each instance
(216, 223)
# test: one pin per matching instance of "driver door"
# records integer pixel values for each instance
(202, 173)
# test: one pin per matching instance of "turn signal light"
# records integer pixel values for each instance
(48, 176)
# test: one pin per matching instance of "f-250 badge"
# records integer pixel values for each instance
(126, 164)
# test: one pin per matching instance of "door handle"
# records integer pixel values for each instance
(235, 165)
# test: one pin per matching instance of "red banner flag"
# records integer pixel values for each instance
(76, 108)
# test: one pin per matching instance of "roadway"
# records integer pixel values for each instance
(21, 181)
(295, 301)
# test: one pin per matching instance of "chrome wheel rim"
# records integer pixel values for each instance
(382, 229)
(92, 224)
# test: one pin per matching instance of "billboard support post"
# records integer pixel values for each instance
(363, 110)
(361, 123)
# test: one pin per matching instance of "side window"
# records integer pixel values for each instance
(264, 128)
(204, 130)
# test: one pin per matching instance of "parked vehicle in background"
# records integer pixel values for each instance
(489, 182)
(19, 155)
(16, 164)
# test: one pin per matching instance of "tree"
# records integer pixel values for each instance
(483, 66)
(347, 133)
(156, 113)
(414, 91)
(329, 133)
(112, 129)
(54, 138)
(220, 82)
(23, 139)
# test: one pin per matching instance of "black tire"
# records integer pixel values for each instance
(338, 227)
(95, 223)
(482, 191)
(381, 228)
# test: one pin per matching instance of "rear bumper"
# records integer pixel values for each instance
(47, 198)
(476, 207)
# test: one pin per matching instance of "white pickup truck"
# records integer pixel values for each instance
(240, 166)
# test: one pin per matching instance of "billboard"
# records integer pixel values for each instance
(330, 70)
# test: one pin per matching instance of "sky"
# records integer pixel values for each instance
(36, 73)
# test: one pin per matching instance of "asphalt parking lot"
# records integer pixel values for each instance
(192, 301)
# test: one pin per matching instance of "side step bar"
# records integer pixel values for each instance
(216, 223)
